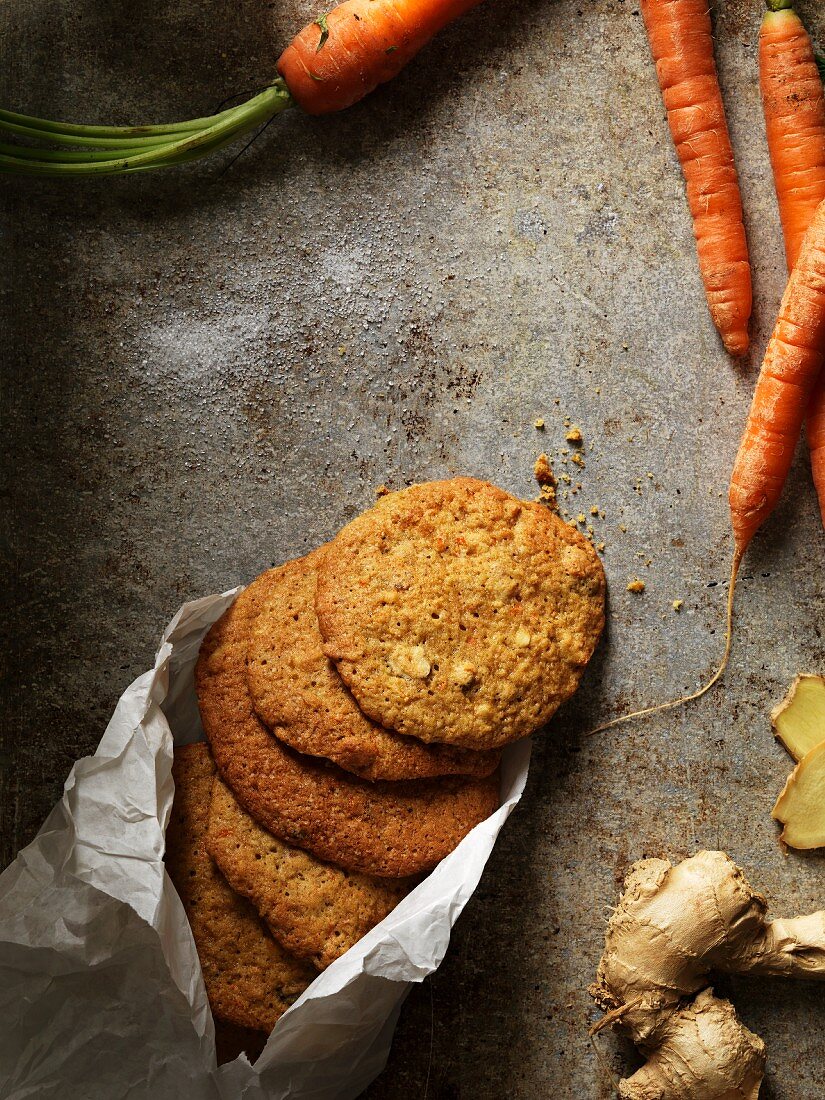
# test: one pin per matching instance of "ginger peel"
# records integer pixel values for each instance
(672, 927)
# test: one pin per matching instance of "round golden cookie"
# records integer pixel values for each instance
(298, 693)
(315, 910)
(250, 979)
(385, 829)
(455, 612)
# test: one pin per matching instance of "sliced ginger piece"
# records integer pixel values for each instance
(801, 806)
(799, 720)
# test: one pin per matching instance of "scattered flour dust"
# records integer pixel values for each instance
(191, 351)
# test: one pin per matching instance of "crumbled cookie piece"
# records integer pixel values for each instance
(548, 486)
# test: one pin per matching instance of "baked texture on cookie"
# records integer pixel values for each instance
(455, 612)
(250, 979)
(315, 910)
(385, 829)
(298, 693)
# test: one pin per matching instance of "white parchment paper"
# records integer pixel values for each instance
(101, 994)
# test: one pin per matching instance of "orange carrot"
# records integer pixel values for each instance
(794, 105)
(331, 64)
(791, 368)
(793, 363)
(682, 45)
(815, 429)
(360, 44)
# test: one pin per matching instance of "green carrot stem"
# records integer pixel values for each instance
(106, 132)
(111, 152)
(32, 133)
(29, 153)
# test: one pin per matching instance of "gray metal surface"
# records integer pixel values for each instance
(207, 373)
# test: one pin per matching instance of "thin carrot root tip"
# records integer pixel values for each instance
(671, 704)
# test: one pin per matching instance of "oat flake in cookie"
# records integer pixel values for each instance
(457, 613)
(298, 693)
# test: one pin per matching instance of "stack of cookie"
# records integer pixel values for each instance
(356, 702)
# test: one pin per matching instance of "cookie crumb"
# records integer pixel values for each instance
(543, 473)
(678, 605)
(636, 586)
(581, 518)
(574, 435)
(594, 510)
(538, 424)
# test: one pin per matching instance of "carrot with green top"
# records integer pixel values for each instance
(331, 64)
(682, 44)
(793, 98)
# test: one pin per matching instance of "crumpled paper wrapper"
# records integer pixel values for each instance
(101, 994)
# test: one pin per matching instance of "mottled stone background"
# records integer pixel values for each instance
(205, 373)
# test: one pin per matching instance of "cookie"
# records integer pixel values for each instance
(298, 693)
(385, 829)
(250, 979)
(315, 910)
(456, 613)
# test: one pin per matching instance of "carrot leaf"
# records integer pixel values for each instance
(322, 23)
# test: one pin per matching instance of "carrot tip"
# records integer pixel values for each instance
(736, 343)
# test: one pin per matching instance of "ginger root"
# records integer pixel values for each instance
(799, 720)
(672, 927)
(799, 723)
(801, 806)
